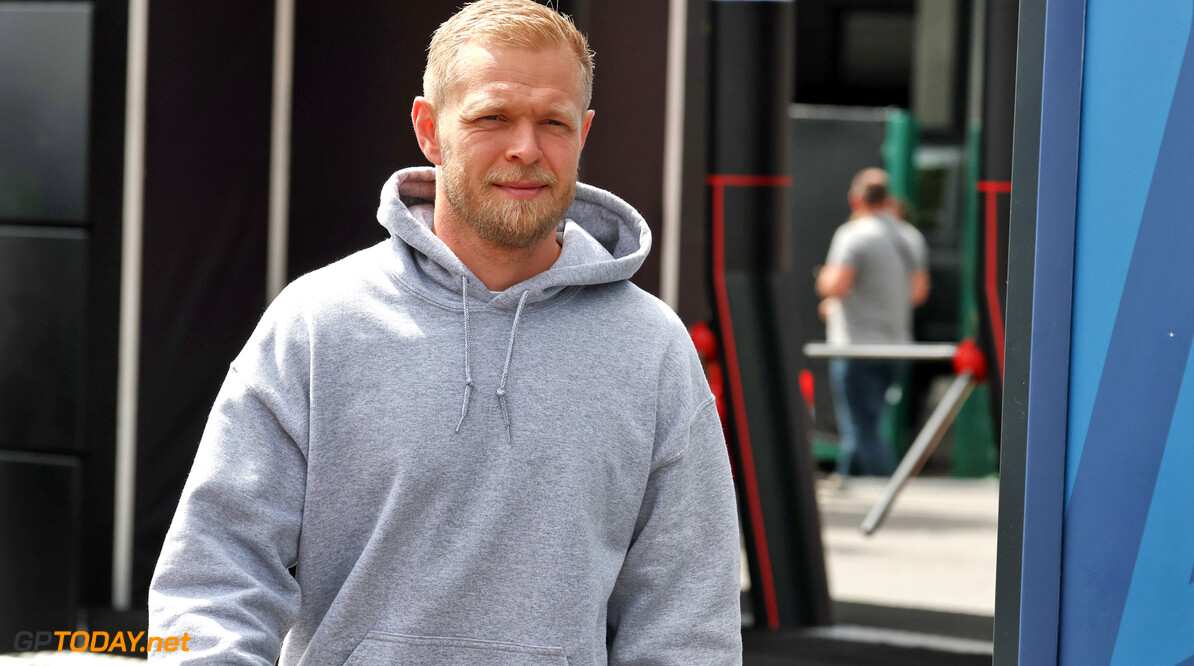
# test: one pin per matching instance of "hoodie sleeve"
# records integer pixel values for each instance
(676, 599)
(222, 578)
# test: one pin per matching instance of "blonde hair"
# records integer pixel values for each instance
(521, 23)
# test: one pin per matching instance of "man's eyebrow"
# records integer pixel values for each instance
(479, 109)
(482, 109)
(561, 112)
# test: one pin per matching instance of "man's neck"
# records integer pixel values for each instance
(498, 267)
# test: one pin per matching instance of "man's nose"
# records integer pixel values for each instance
(524, 143)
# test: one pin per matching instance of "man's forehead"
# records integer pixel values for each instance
(488, 71)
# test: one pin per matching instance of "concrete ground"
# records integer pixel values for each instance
(935, 551)
(919, 591)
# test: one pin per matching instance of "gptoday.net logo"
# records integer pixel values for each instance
(98, 641)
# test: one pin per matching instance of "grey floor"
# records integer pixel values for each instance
(920, 590)
(935, 551)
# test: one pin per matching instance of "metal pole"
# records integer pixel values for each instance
(673, 153)
(939, 421)
(279, 164)
(911, 351)
(130, 307)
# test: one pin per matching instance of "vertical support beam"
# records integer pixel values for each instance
(279, 163)
(1052, 304)
(1025, 169)
(751, 57)
(130, 306)
(673, 152)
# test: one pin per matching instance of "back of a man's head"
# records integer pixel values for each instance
(870, 187)
(517, 23)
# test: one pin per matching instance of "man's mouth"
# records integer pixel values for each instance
(521, 189)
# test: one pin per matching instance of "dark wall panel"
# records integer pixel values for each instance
(624, 152)
(42, 286)
(53, 80)
(43, 101)
(695, 258)
(356, 73)
(39, 556)
(206, 212)
(833, 63)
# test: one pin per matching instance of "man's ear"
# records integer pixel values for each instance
(585, 125)
(422, 115)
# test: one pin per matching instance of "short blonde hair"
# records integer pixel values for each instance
(521, 23)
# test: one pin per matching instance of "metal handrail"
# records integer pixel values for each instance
(912, 351)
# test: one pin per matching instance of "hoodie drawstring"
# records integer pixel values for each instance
(468, 371)
(501, 392)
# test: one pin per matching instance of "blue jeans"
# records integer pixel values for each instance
(860, 401)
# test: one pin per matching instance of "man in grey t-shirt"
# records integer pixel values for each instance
(875, 273)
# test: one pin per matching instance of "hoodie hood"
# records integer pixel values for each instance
(603, 239)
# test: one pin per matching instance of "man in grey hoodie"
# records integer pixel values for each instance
(476, 442)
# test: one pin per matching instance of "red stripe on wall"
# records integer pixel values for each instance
(993, 188)
(744, 180)
(749, 479)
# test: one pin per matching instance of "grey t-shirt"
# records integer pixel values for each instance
(884, 253)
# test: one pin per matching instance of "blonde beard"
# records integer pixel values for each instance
(507, 222)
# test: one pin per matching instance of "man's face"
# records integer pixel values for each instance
(511, 132)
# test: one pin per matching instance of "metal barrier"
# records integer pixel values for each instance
(970, 367)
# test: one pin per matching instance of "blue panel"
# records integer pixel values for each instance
(1133, 53)
(1044, 482)
(1158, 622)
(1135, 402)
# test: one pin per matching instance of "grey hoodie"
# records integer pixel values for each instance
(460, 476)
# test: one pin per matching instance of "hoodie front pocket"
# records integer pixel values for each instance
(383, 649)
